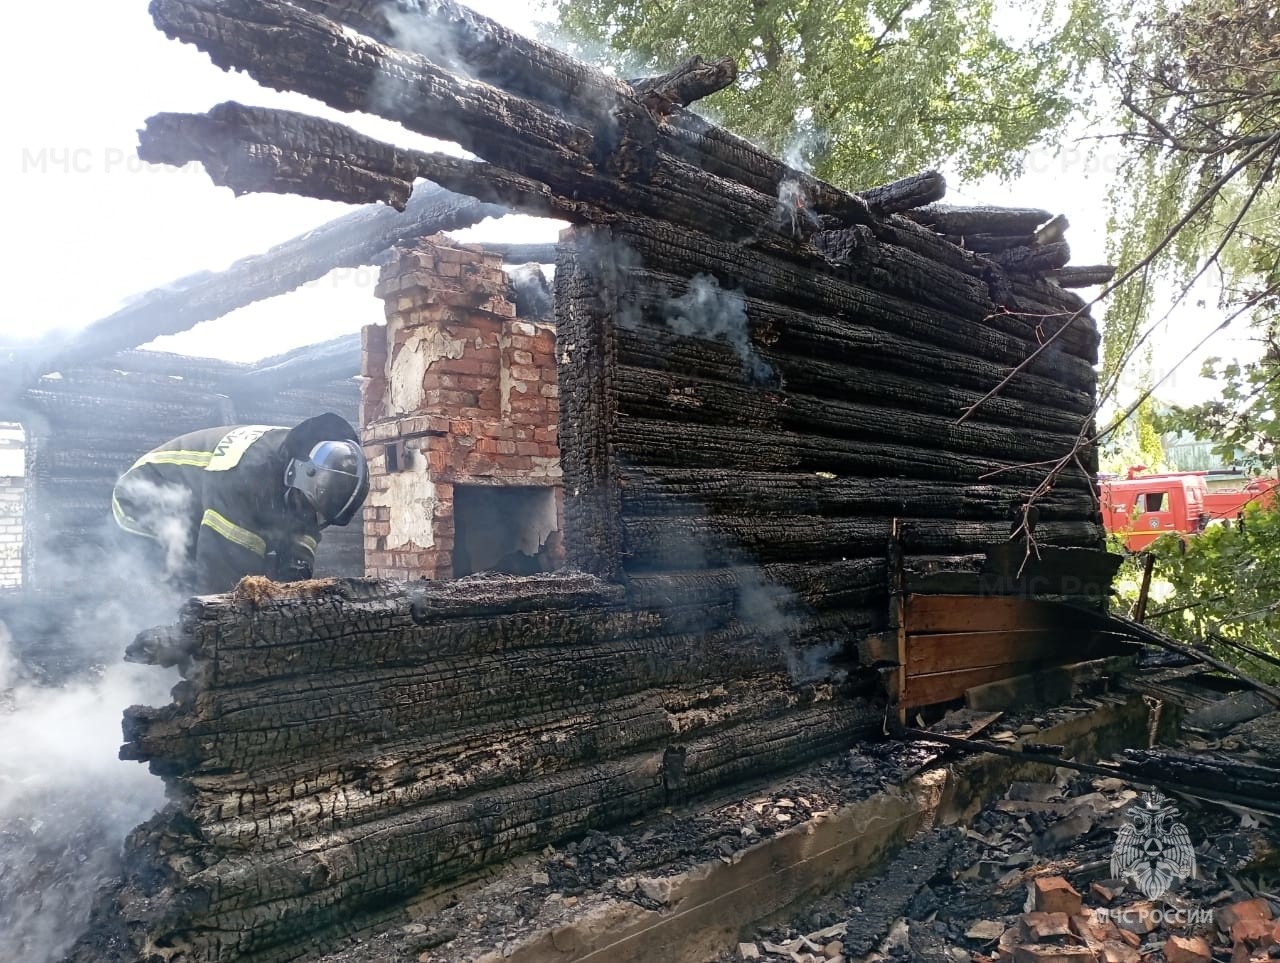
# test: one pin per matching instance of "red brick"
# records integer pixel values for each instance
(1181, 949)
(520, 342)
(528, 403)
(528, 448)
(506, 447)
(1249, 909)
(459, 427)
(1253, 932)
(545, 434)
(468, 364)
(1053, 894)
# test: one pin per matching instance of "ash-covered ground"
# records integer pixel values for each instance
(954, 894)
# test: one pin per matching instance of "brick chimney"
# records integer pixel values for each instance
(459, 410)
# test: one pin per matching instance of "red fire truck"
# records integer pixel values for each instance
(1143, 506)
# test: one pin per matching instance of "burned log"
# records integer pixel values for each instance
(904, 194)
(522, 253)
(990, 243)
(1215, 773)
(690, 491)
(1052, 230)
(1034, 260)
(349, 241)
(725, 154)
(245, 147)
(482, 49)
(334, 360)
(681, 86)
(257, 149)
(947, 219)
(1082, 276)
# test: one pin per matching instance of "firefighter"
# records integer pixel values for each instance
(212, 506)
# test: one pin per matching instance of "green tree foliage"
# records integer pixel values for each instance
(1224, 587)
(1243, 422)
(1198, 87)
(869, 90)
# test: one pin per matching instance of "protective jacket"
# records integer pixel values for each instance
(214, 503)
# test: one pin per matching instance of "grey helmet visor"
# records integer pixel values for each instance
(334, 478)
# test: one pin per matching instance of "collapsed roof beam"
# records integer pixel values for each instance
(607, 136)
(335, 360)
(353, 240)
(523, 253)
(261, 149)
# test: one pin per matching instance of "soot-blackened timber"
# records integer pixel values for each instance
(760, 378)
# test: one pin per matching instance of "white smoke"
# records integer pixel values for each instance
(66, 800)
(794, 211)
(706, 310)
(165, 512)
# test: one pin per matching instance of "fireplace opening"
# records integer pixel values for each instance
(504, 528)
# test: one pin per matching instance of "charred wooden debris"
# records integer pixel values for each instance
(759, 380)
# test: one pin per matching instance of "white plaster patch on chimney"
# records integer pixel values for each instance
(504, 374)
(407, 364)
(411, 496)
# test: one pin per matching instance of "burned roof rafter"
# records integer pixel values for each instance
(353, 240)
(612, 149)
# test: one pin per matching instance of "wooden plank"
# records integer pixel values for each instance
(978, 613)
(897, 613)
(1036, 685)
(954, 651)
(964, 723)
(878, 647)
(935, 687)
(1052, 570)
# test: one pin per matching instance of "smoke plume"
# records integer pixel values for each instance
(532, 292)
(165, 512)
(66, 800)
(706, 310)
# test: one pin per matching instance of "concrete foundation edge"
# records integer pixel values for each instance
(710, 904)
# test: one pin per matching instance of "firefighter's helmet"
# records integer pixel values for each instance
(333, 478)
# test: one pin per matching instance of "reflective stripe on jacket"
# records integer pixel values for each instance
(215, 500)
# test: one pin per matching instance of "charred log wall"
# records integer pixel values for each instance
(339, 747)
(735, 418)
(759, 373)
(740, 429)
